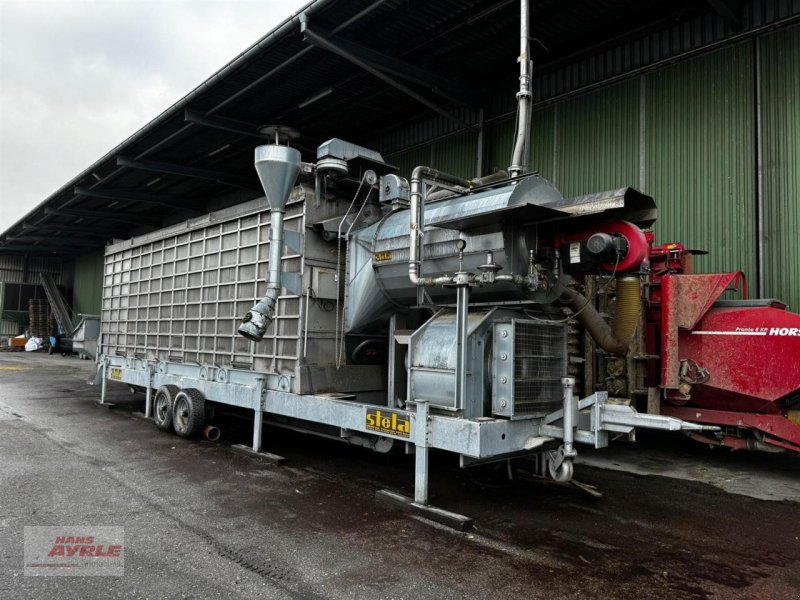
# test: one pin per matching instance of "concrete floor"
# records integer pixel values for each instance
(203, 522)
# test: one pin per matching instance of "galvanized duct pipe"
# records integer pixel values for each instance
(518, 159)
(416, 210)
(626, 317)
(277, 167)
(255, 322)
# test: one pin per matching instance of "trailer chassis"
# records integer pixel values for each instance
(588, 421)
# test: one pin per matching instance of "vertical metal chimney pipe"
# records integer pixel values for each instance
(518, 159)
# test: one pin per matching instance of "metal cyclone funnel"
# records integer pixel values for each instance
(277, 168)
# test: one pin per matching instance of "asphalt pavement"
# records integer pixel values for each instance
(201, 521)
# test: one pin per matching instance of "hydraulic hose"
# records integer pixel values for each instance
(626, 318)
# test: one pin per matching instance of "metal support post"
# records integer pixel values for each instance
(570, 415)
(148, 398)
(104, 382)
(257, 423)
(462, 323)
(421, 455)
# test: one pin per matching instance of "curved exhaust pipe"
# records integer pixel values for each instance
(626, 317)
(277, 167)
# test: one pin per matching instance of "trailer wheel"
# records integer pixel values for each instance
(189, 413)
(162, 406)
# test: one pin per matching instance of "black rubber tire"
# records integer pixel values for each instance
(163, 401)
(189, 413)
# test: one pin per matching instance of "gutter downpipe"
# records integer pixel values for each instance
(518, 159)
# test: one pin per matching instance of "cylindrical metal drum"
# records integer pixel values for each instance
(378, 257)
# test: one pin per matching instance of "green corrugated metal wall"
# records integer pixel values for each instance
(684, 134)
(700, 157)
(597, 140)
(780, 158)
(408, 159)
(501, 143)
(455, 154)
(87, 285)
(690, 146)
(583, 145)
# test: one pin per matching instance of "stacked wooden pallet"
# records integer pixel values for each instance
(39, 318)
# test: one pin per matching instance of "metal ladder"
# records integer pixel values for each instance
(58, 304)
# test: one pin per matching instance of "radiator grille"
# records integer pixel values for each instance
(540, 362)
(530, 358)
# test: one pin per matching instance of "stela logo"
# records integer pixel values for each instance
(82, 546)
(387, 421)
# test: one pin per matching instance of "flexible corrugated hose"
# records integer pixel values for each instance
(627, 311)
(626, 316)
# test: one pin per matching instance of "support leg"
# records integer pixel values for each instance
(570, 415)
(419, 504)
(148, 401)
(104, 383)
(462, 330)
(559, 462)
(421, 476)
(258, 421)
(421, 456)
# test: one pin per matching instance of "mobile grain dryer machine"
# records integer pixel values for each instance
(437, 313)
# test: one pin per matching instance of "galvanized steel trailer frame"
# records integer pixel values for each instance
(588, 421)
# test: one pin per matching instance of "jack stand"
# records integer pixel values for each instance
(148, 398)
(258, 423)
(273, 459)
(255, 451)
(419, 505)
(103, 385)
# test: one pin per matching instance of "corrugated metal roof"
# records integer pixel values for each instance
(473, 43)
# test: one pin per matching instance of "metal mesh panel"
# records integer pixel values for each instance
(540, 361)
(181, 297)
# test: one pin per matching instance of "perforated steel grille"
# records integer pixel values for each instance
(540, 361)
(180, 296)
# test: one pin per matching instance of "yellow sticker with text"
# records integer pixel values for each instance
(392, 422)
